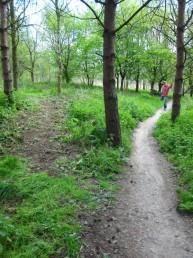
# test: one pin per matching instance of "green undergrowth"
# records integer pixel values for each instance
(176, 140)
(85, 122)
(39, 213)
(9, 129)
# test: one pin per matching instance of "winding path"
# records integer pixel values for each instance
(145, 223)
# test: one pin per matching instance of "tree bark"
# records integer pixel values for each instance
(117, 80)
(160, 86)
(127, 84)
(7, 80)
(59, 58)
(32, 74)
(137, 81)
(152, 86)
(179, 60)
(110, 95)
(137, 85)
(122, 82)
(144, 84)
(14, 45)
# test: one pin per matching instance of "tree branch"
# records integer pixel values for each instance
(93, 11)
(132, 16)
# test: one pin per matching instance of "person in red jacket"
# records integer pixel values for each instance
(164, 93)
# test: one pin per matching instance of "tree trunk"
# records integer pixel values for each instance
(14, 45)
(66, 74)
(143, 85)
(191, 82)
(110, 95)
(122, 82)
(127, 84)
(137, 81)
(160, 84)
(137, 85)
(59, 78)
(152, 85)
(153, 79)
(32, 76)
(117, 80)
(180, 60)
(5, 50)
(59, 60)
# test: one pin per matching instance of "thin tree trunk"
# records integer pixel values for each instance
(14, 45)
(59, 61)
(160, 86)
(191, 82)
(137, 85)
(153, 79)
(152, 85)
(110, 95)
(137, 82)
(59, 78)
(144, 85)
(180, 60)
(32, 76)
(5, 50)
(117, 79)
(122, 82)
(67, 77)
(127, 84)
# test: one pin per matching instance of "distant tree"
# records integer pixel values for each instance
(61, 33)
(5, 60)
(31, 44)
(17, 20)
(89, 49)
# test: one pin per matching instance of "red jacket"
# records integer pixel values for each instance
(165, 90)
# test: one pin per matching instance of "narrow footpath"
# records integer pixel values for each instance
(144, 222)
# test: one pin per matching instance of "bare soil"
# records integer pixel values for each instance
(39, 131)
(143, 223)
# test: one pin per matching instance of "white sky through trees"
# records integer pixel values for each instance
(34, 12)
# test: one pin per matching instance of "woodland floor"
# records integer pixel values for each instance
(143, 223)
(39, 134)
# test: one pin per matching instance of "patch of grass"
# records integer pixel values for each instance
(176, 140)
(44, 221)
(10, 131)
(10, 169)
(85, 122)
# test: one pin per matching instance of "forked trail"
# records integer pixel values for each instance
(144, 222)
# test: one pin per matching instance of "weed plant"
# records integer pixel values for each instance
(176, 140)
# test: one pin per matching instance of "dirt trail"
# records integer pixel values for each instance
(39, 130)
(144, 222)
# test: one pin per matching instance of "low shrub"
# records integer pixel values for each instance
(176, 140)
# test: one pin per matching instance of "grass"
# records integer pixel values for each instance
(43, 219)
(176, 140)
(10, 130)
(39, 213)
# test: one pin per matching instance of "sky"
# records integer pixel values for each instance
(34, 11)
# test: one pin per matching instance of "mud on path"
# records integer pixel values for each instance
(38, 135)
(144, 222)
